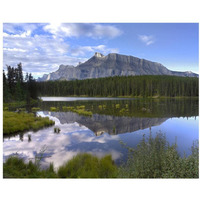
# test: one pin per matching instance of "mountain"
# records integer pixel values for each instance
(111, 65)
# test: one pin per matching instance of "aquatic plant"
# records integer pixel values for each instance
(100, 106)
(79, 110)
(35, 109)
(117, 106)
(83, 112)
(80, 107)
(53, 108)
(56, 130)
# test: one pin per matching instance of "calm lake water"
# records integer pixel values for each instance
(113, 120)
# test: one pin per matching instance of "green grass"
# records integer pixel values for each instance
(19, 122)
(5, 108)
(16, 104)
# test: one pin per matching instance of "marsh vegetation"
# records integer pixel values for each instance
(18, 122)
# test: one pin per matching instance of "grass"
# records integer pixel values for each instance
(17, 104)
(19, 122)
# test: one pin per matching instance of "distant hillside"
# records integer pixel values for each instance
(111, 65)
(146, 86)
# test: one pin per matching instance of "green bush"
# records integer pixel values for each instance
(15, 167)
(88, 166)
(81, 166)
(155, 158)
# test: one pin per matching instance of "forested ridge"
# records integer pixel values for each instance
(144, 86)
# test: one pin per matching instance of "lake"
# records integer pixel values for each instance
(113, 120)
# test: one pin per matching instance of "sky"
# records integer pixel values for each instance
(42, 47)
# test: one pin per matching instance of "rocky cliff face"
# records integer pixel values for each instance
(111, 65)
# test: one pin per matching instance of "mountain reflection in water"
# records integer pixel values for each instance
(112, 125)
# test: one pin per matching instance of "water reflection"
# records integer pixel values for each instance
(75, 137)
(72, 139)
(100, 134)
(112, 125)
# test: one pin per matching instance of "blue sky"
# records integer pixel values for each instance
(42, 47)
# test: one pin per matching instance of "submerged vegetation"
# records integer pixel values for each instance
(153, 158)
(18, 122)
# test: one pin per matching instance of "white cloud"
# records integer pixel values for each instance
(14, 49)
(89, 30)
(16, 28)
(38, 54)
(83, 50)
(41, 52)
(147, 39)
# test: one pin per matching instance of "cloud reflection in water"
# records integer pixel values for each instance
(72, 139)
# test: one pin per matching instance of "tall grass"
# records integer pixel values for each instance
(19, 122)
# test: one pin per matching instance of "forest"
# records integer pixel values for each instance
(141, 86)
(16, 87)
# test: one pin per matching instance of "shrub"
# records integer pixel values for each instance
(88, 166)
(15, 167)
(155, 158)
